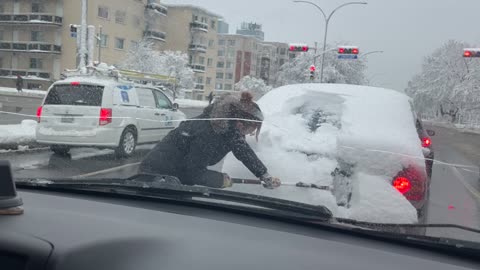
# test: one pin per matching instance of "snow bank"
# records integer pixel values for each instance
(310, 128)
(25, 92)
(190, 103)
(23, 133)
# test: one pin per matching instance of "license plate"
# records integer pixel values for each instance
(67, 120)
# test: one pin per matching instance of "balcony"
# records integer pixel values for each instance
(31, 18)
(198, 48)
(199, 86)
(157, 8)
(30, 47)
(197, 68)
(160, 36)
(199, 26)
(38, 75)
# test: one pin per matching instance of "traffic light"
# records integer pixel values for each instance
(348, 50)
(298, 48)
(312, 72)
(473, 52)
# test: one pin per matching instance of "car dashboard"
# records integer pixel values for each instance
(82, 231)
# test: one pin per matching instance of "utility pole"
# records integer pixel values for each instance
(315, 59)
(83, 38)
(99, 39)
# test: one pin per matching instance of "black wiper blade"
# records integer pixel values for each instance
(132, 186)
(401, 225)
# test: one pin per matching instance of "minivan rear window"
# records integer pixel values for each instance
(80, 95)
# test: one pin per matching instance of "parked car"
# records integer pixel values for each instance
(104, 113)
(426, 141)
(360, 141)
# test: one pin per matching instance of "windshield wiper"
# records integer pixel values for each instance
(376, 226)
(196, 194)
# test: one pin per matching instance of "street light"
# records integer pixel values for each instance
(327, 20)
(372, 52)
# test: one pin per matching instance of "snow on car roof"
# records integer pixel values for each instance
(93, 80)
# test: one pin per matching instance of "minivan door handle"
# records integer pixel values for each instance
(157, 114)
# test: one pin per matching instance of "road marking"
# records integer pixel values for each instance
(466, 184)
(105, 171)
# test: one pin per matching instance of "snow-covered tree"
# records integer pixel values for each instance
(254, 85)
(145, 58)
(335, 70)
(175, 64)
(448, 85)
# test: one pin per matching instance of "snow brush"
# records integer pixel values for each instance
(299, 184)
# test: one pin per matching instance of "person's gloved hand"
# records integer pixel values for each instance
(270, 182)
(227, 181)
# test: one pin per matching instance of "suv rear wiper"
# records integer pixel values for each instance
(196, 194)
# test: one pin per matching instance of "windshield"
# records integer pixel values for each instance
(367, 109)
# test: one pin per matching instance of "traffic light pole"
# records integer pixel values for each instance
(327, 20)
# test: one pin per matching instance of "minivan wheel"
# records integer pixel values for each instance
(128, 142)
(60, 149)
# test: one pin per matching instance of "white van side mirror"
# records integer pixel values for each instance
(175, 106)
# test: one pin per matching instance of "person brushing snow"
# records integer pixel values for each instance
(188, 150)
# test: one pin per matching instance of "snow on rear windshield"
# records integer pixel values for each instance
(80, 95)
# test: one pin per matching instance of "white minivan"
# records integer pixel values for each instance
(104, 113)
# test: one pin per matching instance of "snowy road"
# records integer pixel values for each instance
(454, 197)
(15, 108)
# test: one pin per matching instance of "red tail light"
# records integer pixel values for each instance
(402, 184)
(39, 113)
(426, 142)
(75, 83)
(105, 116)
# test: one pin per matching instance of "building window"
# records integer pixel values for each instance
(2, 9)
(218, 86)
(231, 53)
(119, 43)
(210, 43)
(133, 44)
(195, 18)
(227, 87)
(282, 61)
(212, 24)
(37, 36)
(1, 62)
(120, 16)
(1, 35)
(103, 40)
(204, 20)
(231, 42)
(221, 42)
(209, 62)
(229, 76)
(37, 7)
(220, 64)
(36, 63)
(221, 53)
(229, 64)
(103, 12)
(201, 60)
(219, 75)
(282, 51)
(200, 80)
(209, 80)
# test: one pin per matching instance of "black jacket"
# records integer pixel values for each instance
(187, 151)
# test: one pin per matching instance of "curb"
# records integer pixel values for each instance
(32, 146)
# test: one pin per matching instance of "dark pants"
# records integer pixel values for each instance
(168, 160)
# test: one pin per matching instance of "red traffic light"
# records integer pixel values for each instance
(305, 48)
(341, 50)
(355, 51)
(292, 48)
(298, 48)
(467, 54)
(312, 68)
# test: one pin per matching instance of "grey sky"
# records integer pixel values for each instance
(407, 30)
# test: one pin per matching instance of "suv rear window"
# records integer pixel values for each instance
(80, 95)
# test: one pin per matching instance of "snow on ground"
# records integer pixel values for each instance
(190, 103)
(25, 92)
(310, 129)
(23, 133)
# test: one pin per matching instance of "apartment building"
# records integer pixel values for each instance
(272, 56)
(237, 57)
(193, 30)
(36, 42)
